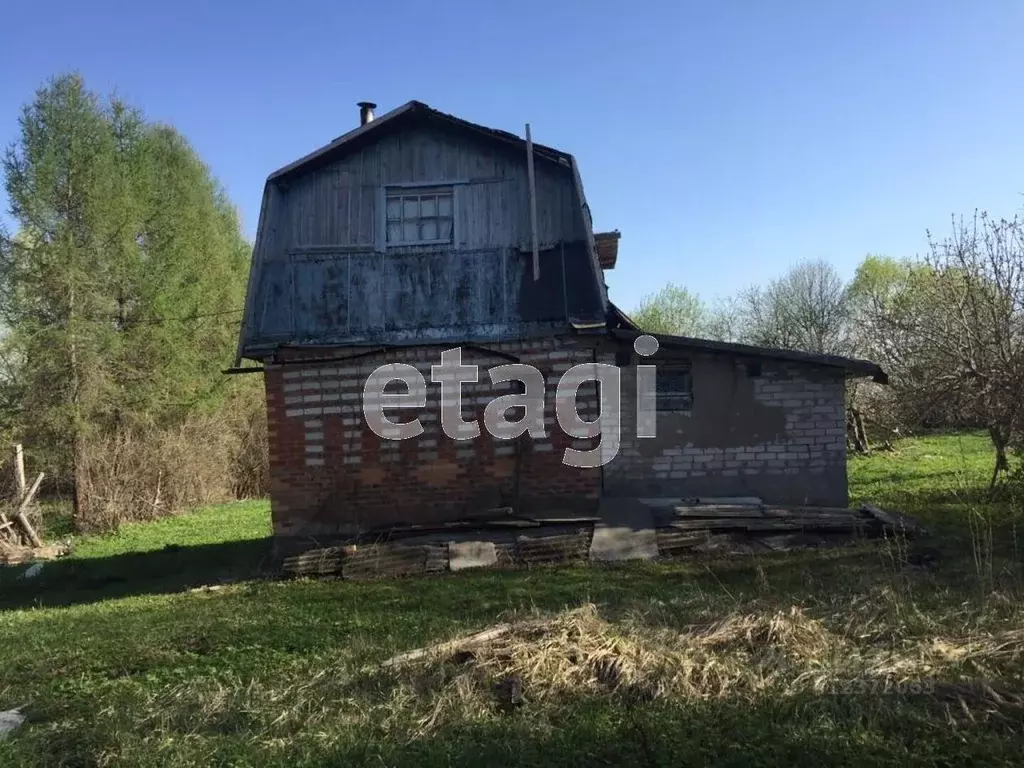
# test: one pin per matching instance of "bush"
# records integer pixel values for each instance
(208, 459)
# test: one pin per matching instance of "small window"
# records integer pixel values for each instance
(674, 388)
(419, 215)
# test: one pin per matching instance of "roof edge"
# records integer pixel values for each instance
(628, 330)
(547, 153)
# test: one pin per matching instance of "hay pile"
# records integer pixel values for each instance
(578, 653)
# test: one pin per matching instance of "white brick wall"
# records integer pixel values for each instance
(811, 441)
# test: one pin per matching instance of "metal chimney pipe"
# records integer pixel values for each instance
(366, 111)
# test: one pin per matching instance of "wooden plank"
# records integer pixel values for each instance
(315, 562)
(802, 524)
(512, 522)
(555, 520)
(816, 518)
(765, 524)
(19, 470)
(672, 542)
(894, 520)
(388, 560)
(712, 523)
(791, 511)
(22, 517)
(747, 501)
(534, 550)
(451, 645)
(531, 180)
(436, 558)
(717, 510)
(497, 513)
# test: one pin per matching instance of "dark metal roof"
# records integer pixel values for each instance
(622, 327)
(410, 109)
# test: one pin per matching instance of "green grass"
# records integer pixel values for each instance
(122, 654)
(243, 521)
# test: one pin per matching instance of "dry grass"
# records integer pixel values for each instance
(210, 458)
(750, 655)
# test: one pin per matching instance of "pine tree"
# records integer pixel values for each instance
(122, 287)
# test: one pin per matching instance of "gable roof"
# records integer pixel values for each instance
(620, 326)
(391, 120)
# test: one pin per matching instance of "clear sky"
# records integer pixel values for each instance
(727, 139)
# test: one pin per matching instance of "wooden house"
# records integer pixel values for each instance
(417, 232)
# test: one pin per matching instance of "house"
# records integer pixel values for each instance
(413, 234)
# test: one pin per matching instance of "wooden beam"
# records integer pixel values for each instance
(19, 470)
(22, 518)
(533, 203)
(452, 645)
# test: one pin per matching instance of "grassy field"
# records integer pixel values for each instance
(163, 645)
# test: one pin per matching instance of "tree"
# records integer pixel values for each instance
(672, 310)
(951, 328)
(806, 309)
(122, 288)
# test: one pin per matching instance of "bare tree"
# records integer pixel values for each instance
(979, 339)
(952, 331)
(807, 309)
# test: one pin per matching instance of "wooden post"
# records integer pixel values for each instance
(19, 470)
(533, 203)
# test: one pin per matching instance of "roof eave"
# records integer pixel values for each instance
(547, 153)
(853, 367)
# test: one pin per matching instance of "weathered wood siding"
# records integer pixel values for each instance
(336, 205)
(321, 277)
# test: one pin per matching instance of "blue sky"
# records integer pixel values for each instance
(727, 139)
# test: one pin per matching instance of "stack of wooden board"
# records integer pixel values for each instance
(746, 525)
(678, 527)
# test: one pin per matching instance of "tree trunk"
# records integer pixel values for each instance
(80, 511)
(1002, 463)
(855, 431)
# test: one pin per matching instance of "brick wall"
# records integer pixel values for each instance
(331, 475)
(779, 435)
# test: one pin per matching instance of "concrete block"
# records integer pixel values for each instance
(626, 532)
(471, 554)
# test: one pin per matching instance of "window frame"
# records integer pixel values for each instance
(388, 192)
(674, 400)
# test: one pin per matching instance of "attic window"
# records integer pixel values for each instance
(419, 215)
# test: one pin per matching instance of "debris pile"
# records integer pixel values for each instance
(19, 541)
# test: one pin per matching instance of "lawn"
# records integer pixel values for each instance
(164, 644)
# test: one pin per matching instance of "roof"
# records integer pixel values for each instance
(410, 109)
(622, 327)
(607, 248)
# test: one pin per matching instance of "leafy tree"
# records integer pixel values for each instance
(672, 310)
(122, 287)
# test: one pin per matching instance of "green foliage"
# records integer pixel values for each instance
(118, 658)
(122, 287)
(672, 310)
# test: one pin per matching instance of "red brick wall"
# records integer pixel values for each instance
(331, 475)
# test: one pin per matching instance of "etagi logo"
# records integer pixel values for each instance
(451, 374)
